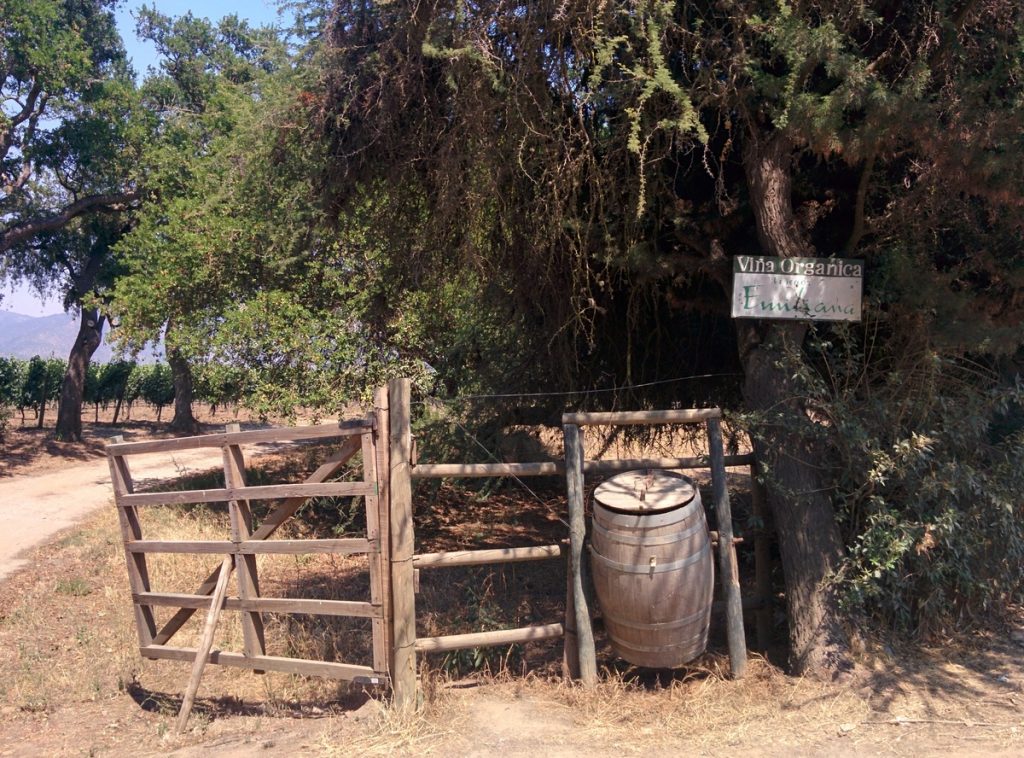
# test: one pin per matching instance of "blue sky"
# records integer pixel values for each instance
(25, 300)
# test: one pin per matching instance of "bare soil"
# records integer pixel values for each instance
(71, 682)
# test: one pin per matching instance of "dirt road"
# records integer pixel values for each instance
(35, 508)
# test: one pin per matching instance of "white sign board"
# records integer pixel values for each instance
(818, 289)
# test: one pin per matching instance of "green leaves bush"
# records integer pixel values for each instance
(928, 479)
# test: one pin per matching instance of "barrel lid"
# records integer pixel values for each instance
(645, 491)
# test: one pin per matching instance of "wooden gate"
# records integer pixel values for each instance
(248, 540)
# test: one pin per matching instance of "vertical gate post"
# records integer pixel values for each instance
(383, 432)
(253, 634)
(728, 569)
(403, 676)
(587, 661)
(131, 529)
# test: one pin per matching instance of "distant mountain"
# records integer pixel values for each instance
(48, 336)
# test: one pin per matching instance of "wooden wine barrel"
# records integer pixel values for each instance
(652, 567)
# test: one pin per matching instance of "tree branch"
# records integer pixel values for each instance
(7, 137)
(858, 210)
(957, 23)
(26, 230)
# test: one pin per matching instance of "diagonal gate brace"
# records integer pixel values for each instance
(277, 517)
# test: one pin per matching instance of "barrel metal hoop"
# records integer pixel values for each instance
(700, 637)
(626, 539)
(633, 568)
(698, 616)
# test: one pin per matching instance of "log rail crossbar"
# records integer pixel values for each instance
(245, 543)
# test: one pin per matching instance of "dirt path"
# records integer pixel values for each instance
(35, 508)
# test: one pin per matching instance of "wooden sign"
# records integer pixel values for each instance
(815, 289)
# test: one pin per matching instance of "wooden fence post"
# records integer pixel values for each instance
(728, 568)
(587, 660)
(254, 637)
(383, 432)
(403, 677)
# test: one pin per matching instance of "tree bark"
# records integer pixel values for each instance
(26, 230)
(784, 441)
(42, 402)
(183, 421)
(69, 411)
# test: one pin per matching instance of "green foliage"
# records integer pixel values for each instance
(155, 384)
(91, 390)
(41, 382)
(113, 381)
(927, 486)
(66, 129)
(219, 385)
(11, 380)
(233, 257)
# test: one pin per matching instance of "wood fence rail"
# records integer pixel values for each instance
(557, 468)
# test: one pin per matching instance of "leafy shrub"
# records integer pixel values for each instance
(928, 480)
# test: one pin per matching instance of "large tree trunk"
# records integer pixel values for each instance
(809, 538)
(183, 421)
(69, 411)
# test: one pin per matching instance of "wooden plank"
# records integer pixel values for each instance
(728, 568)
(383, 433)
(347, 546)
(253, 634)
(267, 492)
(309, 606)
(255, 436)
(205, 643)
(486, 639)
(632, 464)
(380, 654)
(217, 547)
(328, 670)
(473, 470)
(577, 533)
(131, 529)
(553, 468)
(762, 560)
(483, 557)
(402, 540)
(622, 418)
(270, 524)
